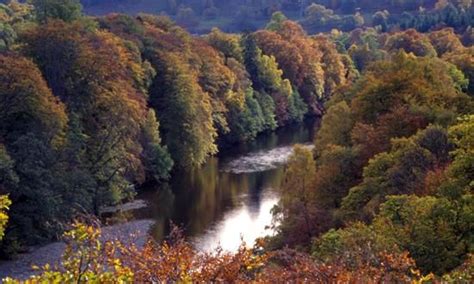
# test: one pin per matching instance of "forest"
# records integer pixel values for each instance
(200, 16)
(93, 108)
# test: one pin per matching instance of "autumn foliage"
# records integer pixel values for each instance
(93, 108)
(87, 259)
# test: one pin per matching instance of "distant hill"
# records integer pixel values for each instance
(199, 16)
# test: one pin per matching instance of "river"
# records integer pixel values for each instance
(225, 201)
(229, 199)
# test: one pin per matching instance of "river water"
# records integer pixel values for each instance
(229, 199)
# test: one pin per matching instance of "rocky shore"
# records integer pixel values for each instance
(21, 268)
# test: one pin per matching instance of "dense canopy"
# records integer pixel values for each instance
(94, 109)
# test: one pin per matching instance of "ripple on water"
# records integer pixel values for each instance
(261, 161)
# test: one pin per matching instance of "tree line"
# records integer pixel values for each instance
(199, 16)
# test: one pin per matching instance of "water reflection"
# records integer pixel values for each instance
(246, 222)
(218, 204)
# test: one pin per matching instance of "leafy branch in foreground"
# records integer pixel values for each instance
(89, 259)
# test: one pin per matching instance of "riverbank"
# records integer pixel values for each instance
(135, 232)
(221, 203)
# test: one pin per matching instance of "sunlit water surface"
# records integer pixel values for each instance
(230, 198)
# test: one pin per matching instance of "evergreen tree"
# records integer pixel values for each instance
(184, 111)
(66, 10)
(157, 160)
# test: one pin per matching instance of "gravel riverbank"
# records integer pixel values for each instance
(20, 268)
